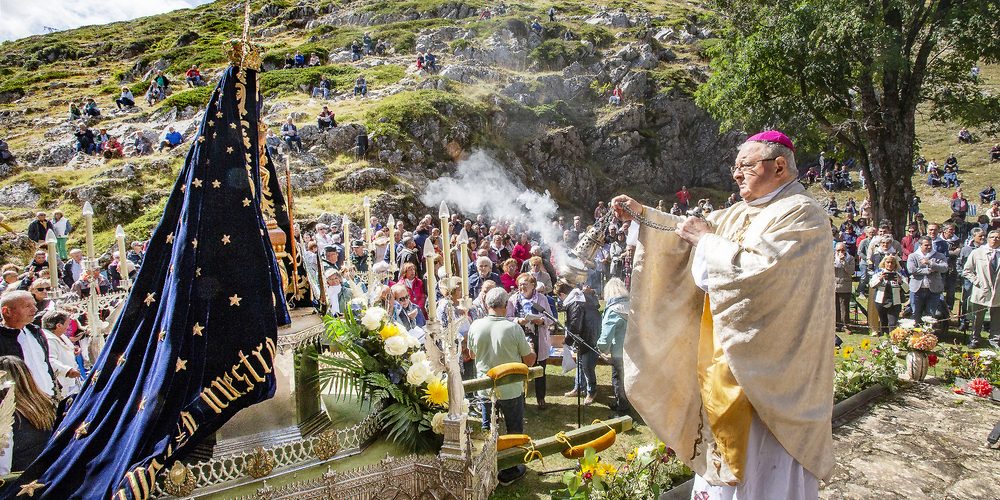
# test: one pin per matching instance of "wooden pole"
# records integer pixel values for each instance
(548, 446)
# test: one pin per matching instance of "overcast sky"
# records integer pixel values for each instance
(21, 18)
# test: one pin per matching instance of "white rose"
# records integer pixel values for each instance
(373, 318)
(412, 341)
(437, 423)
(418, 373)
(396, 346)
(418, 357)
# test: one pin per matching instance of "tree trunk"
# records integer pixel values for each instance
(890, 155)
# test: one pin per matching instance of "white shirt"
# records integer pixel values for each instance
(38, 364)
(61, 227)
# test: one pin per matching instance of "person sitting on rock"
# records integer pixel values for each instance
(366, 42)
(152, 95)
(91, 108)
(314, 60)
(289, 61)
(420, 61)
(934, 178)
(193, 76)
(356, 51)
(569, 36)
(172, 140)
(113, 149)
(74, 113)
(300, 60)
(965, 136)
(360, 86)
(101, 138)
(537, 28)
(323, 87)
(273, 143)
(6, 157)
(431, 61)
(125, 100)
(326, 119)
(290, 133)
(380, 48)
(141, 145)
(85, 140)
(486, 14)
(163, 82)
(995, 153)
(616, 97)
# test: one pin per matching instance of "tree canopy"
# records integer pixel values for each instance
(854, 72)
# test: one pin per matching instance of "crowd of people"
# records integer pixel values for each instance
(920, 275)
(45, 345)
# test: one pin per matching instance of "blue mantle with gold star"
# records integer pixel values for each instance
(196, 341)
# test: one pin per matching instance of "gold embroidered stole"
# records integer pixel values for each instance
(729, 410)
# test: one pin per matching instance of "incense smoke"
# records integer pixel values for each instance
(482, 186)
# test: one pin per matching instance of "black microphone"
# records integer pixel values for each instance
(540, 310)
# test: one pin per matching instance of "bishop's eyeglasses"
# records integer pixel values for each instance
(743, 166)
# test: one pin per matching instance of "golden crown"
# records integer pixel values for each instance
(244, 54)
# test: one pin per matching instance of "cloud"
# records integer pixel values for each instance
(21, 18)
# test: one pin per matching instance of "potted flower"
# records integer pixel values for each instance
(919, 346)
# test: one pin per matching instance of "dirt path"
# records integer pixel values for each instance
(924, 442)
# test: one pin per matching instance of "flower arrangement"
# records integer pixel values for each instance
(870, 366)
(377, 359)
(981, 387)
(906, 336)
(642, 474)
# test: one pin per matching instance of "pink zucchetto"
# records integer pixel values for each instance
(773, 136)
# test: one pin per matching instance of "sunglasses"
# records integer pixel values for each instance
(40, 289)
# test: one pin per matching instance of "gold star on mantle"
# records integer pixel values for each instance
(197, 272)
(216, 183)
(194, 242)
(163, 335)
(183, 187)
(232, 126)
(229, 149)
(197, 329)
(150, 298)
(196, 182)
(211, 123)
(30, 488)
(81, 430)
(246, 202)
(170, 238)
(181, 365)
(225, 239)
(235, 300)
(201, 139)
(142, 405)
(218, 114)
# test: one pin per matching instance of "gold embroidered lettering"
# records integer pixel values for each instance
(188, 421)
(224, 385)
(213, 401)
(243, 378)
(263, 362)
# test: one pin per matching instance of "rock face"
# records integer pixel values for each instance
(21, 194)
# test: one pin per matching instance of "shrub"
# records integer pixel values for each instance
(288, 81)
(460, 44)
(391, 116)
(597, 35)
(553, 53)
(196, 97)
(677, 81)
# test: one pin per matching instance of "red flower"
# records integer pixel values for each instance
(932, 360)
(958, 390)
(587, 475)
(981, 387)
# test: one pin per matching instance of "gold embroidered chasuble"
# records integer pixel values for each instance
(699, 364)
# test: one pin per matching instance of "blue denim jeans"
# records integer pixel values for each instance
(924, 303)
(585, 372)
(513, 414)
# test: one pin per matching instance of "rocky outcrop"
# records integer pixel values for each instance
(449, 10)
(19, 194)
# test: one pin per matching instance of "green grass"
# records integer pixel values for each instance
(392, 114)
(342, 76)
(195, 97)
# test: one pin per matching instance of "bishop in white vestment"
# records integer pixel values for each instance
(730, 342)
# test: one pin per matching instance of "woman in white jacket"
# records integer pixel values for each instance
(62, 352)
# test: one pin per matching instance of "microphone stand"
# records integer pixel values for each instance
(538, 309)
